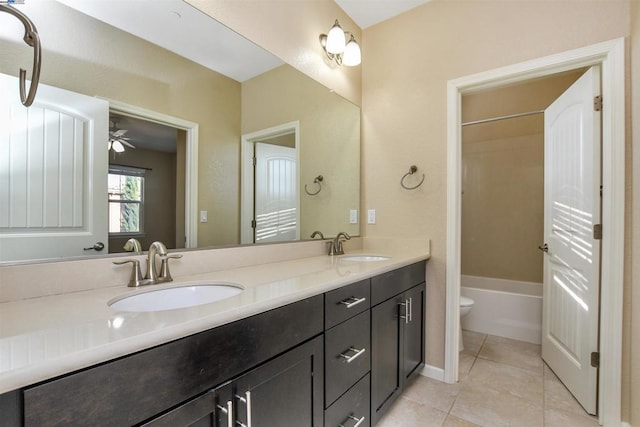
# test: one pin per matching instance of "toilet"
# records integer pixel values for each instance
(466, 304)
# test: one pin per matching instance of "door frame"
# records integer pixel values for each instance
(610, 55)
(191, 166)
(247, 200)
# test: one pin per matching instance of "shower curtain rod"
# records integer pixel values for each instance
(495, 119)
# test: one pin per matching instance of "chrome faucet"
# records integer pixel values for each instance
(152, 273)
(151, 277)
(335, 246)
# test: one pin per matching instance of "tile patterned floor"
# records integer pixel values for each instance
(503, 382)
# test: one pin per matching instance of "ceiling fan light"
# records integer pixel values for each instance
(117, 146)
(352, 55)
(335, 39)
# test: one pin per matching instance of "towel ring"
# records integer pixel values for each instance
(413, 169)
(32, 39)
(318, 180)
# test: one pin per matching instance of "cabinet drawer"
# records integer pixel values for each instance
(352, 408)
(344, 303)
(347, 355)
(397, 281)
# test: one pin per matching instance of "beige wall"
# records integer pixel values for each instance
(290, 30)
(329, 143)
(404, 103)
(86, 56)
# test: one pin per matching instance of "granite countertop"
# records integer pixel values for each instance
(41, 338)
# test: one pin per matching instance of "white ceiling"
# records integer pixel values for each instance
(366, 13)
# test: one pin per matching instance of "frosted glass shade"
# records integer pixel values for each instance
(352, 55)
(117, 146)
(335, 39)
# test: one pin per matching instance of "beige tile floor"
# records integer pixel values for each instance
(503, 382)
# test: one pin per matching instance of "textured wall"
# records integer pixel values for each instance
(407, 62)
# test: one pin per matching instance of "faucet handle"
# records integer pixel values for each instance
(135, 279)
(165, 274)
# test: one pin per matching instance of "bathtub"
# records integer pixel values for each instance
(506, 308)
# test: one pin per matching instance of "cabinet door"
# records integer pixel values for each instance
(385, 355)
(286, 391)
(413, 339)
(198, 412)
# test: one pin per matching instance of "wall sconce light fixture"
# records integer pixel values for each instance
(338, 49)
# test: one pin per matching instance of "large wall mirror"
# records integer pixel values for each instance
(155, 122)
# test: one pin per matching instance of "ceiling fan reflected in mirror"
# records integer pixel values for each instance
(117, 140)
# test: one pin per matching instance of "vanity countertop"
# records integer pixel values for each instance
(41, 338)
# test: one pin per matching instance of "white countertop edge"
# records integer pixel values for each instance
(48, 369)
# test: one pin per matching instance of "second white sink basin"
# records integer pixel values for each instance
(366, 258)
(180, 296)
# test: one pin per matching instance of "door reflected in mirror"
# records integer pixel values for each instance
(117, 68)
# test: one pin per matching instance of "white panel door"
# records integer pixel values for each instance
(53, 173)
(572, 261)
(276, 194)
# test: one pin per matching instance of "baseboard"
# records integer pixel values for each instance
(625, 424)
(434, 373)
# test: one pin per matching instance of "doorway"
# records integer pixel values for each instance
(270, 195)
(610, 56)
(186, 165)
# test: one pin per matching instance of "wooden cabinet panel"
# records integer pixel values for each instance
(130, 390)
(397, 281)
(353, 408)
(385, 357)
(347, 355)
(345, 302)
(414, 330)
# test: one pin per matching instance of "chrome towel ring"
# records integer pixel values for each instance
(413, 169)
(32, 39)
(318, 181)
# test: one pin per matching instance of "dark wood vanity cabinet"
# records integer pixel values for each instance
(397, 336)
(286, 391)
(335, 359)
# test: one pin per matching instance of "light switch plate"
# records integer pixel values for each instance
(203, 216)
(371, 216)
(353, 216)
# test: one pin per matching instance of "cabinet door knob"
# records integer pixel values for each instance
(352, 301)
(407, 314)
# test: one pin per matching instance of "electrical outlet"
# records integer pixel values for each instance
(371, 216)
(353, 216)
(203, 216)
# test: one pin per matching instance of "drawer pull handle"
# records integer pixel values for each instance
(247, 401)
(228, 411)
(407, 311)
(351, 417)
(353, 357)
(352, 301)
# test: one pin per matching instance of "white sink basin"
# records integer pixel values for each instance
(180, 296)
(365, 258)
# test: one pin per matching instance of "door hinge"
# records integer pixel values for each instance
(595, 359)
(597, 231)
(597, 103)
(255, 161)
(253, 223)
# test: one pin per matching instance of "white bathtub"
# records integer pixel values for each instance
(505, 308)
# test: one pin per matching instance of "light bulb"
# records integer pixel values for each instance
(117, 146)
(335, 39)
(352, 55)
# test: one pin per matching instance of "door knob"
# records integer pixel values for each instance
(544, 248)
(97, 247)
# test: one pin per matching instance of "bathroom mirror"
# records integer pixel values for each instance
(140, 80)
